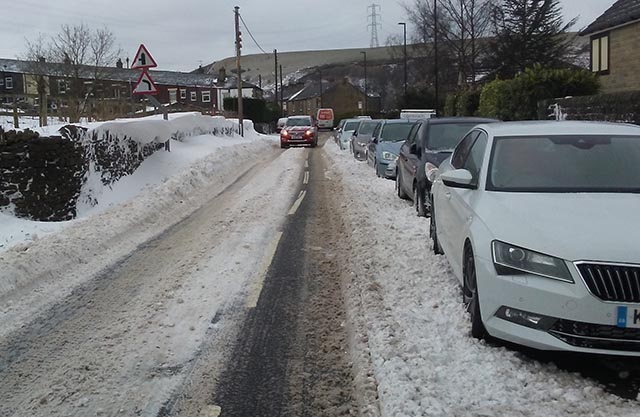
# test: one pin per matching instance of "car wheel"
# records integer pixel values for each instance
(418, 202)
(401, 192)
(470, 294)
(437, 249)
(375, 165)
(283, 146)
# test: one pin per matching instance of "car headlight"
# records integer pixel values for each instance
(512, 260)
(389, 156)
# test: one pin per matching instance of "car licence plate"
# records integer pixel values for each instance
(628, 316)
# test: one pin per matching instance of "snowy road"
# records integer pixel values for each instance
(120, 342)
(198, 318)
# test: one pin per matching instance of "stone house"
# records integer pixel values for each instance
(614, 38)
(342, 96)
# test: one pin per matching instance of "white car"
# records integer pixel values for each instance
(540, 222)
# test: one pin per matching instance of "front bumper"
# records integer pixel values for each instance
(574, 320)
(297, 141)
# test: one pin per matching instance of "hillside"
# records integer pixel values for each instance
(294, 64)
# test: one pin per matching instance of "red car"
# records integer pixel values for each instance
(299, 130)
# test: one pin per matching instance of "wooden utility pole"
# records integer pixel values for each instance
(238, 46)
(281, 93)
(275, 79)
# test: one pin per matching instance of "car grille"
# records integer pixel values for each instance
(609, 282)
(596, 336)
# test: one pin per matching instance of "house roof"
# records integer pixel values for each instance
(621, 13)
(170, 78)
(312, 90)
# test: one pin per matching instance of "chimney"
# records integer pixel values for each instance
(42, 59)
(119, 63)
(222, 75)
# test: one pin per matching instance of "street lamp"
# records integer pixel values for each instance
(366, 92)
(404, 29)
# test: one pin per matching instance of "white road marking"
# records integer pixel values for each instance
(296, 205)
(254, 295)
(306, 177)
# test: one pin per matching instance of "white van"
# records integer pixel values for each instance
(324, 118)
(413, 114)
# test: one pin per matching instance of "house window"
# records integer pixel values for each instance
(8, 83)
(194, 96)
(183, 93)
(600, 54)
(173, 95)
(206, 96)
(62, 86)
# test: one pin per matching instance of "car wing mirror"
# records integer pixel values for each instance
(458, 178)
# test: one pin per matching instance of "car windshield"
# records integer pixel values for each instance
(445, 136)
(394, 132)
(575, 163)
(299, 121)
(350, 126)
(367, 128)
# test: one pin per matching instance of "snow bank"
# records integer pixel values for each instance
(169, 186)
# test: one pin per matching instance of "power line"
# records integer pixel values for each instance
(248, 31)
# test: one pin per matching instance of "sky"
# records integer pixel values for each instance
(410, 333)
(183, 35)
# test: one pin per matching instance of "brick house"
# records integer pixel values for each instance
(110, 95)
(614, 38)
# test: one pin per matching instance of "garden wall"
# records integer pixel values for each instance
(613, 107)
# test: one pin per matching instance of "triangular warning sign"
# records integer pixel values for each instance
(145, 85)
(143, 59)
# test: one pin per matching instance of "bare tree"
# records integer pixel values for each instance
(85, 56)
(37, 55)
(460, 25)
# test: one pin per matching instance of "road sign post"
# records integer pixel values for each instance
(145, 85)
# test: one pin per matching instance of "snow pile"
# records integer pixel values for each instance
(165, 189)
(409, 308)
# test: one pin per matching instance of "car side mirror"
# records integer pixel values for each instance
(458, 178)
(413, 149)
(375, 140)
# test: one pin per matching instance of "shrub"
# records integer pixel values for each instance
(517, 99)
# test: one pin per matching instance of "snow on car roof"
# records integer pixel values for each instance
(551, 127)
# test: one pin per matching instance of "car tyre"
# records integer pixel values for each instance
(283, 146)
(401, 192)
(418, 202)
(470, 294)
(437, 249)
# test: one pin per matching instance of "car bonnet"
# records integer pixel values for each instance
(571, 226)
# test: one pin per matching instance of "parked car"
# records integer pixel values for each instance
(540, 223)
(385, 144)
(338, 129)
(344, 139)
(430, 142)
(280, 124)
(299, 130)
(361, 137)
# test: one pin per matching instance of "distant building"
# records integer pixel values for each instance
(111, 94)
(615, 37)
(342, 96)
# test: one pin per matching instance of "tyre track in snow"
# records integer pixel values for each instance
(122, 343)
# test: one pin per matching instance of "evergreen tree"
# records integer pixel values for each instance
(528, 32)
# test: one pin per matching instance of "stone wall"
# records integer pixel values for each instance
(41, 177)
(612, 107)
